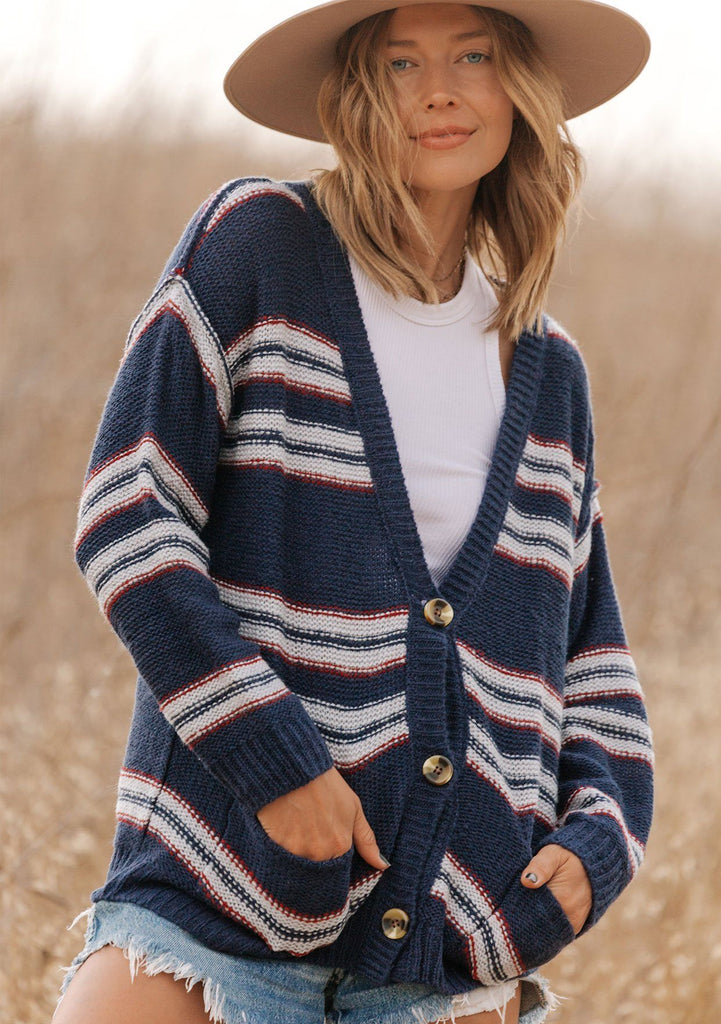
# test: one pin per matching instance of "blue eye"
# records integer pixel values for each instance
(477, 57)
(401, 61)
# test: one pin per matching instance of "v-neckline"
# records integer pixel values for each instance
(467, 572)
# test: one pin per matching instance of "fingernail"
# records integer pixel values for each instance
(386, 862)
(531, 876)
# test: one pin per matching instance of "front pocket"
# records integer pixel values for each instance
(297, 904)
(528, 928)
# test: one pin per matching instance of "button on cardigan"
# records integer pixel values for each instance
(246, 529)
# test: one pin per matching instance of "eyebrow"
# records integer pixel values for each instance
(476, 33)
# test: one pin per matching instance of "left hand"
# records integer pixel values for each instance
(566, 877)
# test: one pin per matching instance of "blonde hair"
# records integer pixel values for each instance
(519, 211)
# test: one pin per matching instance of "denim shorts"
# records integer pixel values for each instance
(247, 990)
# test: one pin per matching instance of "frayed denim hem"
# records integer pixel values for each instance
(140, 955)
(537, 1001)
(238, 991)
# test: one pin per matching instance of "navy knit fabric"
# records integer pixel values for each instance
(247, 531)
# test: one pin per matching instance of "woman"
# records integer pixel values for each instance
(389, 751)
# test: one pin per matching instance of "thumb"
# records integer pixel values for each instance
(365, 843)
(541, 868)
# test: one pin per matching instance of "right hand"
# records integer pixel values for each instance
(321, 820)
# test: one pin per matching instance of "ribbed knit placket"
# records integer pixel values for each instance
(434, 692)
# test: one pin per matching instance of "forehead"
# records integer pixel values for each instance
(434, 18)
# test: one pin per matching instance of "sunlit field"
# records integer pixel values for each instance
(87, 225)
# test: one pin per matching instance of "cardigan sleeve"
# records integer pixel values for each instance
(147, 496)
(606, 758)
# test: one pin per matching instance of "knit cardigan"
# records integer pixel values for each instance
(246, 529)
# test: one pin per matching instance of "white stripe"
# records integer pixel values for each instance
(582, 549)
(518, 699)
(342, 642)
(130, 561)
(527, 784)
(306, 360)
(208, 703)
(355, 735)
(582, 546)
(176, 297)
(601, 671)
(549, 465)
(247, 191)
(618, 732)
(298, 447)
(470, 911)
(467, 901)
(143, 470)
(588, 800)
(224, 876)
(535, 540)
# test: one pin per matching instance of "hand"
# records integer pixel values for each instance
(321, 820)
(566, 877)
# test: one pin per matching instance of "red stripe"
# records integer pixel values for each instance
(520, 725)
(523, 810)
(507, 670)
(210, 676)
(352, 615)
(216, 840)
(294, 325)
(137, 499)
(308, 477)
(342, 397)
(619, 755)
(255, 194)
(535, 563)
(528, 485)
(137, 581)
(395, 741)
(590, 696)
(232, 716)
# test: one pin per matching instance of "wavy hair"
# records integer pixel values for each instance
(520, 208)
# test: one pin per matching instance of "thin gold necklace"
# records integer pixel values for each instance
(438, 280)
(444, 295)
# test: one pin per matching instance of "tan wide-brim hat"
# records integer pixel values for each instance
(596, 50)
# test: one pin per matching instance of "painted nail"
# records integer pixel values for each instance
(531, 877)
(386, 862)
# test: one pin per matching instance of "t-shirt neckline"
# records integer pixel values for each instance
(427, 312)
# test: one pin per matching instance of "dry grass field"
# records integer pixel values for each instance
(86, 228)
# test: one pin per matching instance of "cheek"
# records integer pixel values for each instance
(406, 110)
(501, 116)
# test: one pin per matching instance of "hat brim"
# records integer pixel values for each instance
(596, 51)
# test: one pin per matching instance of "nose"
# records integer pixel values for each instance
(437, 89)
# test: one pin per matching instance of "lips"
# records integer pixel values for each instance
(444, 132)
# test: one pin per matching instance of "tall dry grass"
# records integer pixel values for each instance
(86, 227)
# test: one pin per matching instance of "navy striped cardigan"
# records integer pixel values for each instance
(246, 529)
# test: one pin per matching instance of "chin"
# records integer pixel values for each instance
(442, 183)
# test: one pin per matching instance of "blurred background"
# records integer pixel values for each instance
(113, 129)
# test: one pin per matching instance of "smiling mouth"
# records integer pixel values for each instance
(442, 140)
(444, 133)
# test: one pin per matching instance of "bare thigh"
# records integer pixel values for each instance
(513, 1007)
(102, 992)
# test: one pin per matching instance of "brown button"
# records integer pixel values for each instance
(437, 769)
(438, 612)
(395, 923)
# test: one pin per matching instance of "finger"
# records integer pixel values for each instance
(542, 867)
(365, 842)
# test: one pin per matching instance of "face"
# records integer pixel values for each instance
(454, 111)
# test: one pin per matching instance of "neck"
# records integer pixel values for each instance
(446, 216)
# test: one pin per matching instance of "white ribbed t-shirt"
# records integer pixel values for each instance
(441, 377)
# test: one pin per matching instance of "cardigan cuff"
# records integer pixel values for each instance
(273, 760)
(602, 850)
